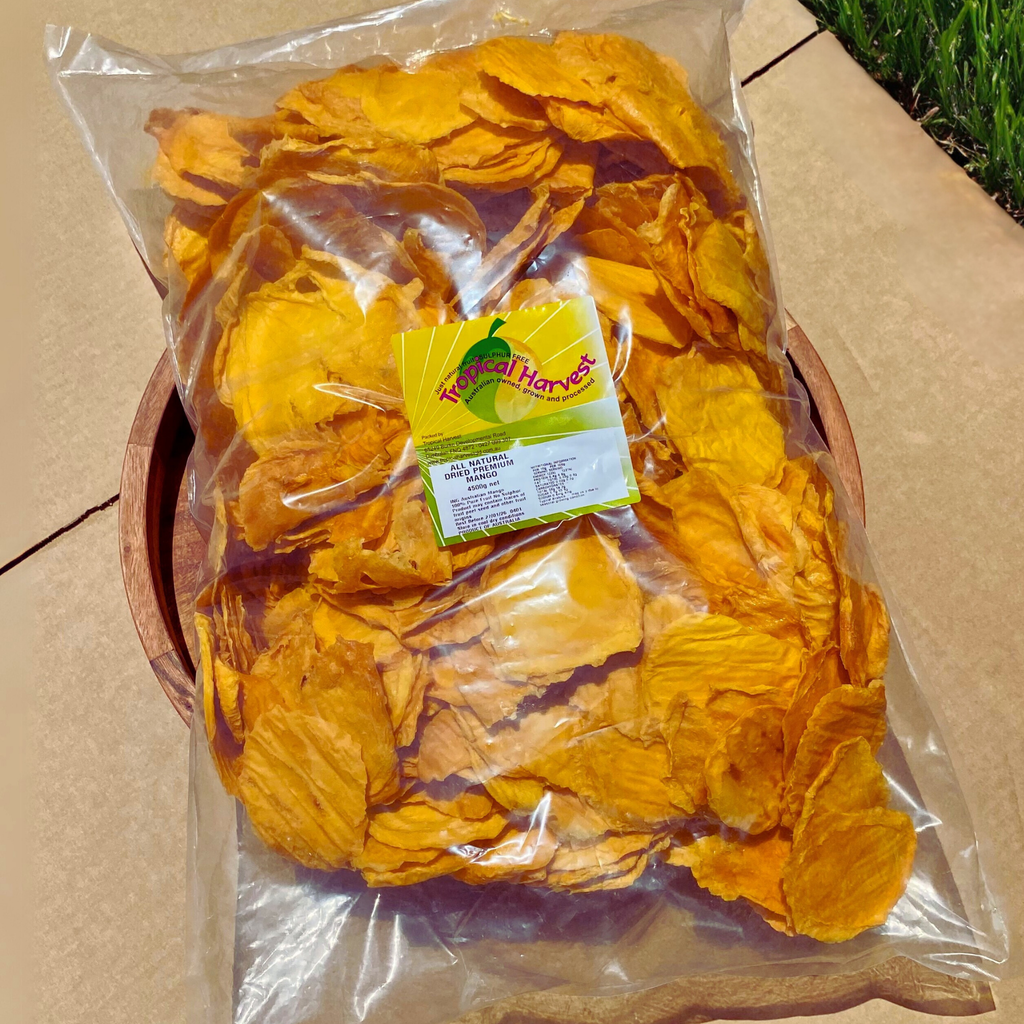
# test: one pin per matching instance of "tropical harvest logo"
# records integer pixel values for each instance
(500, 379)
(503, 371)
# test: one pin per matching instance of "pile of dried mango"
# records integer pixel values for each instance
(695, 678)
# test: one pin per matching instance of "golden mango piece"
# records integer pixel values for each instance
(564, 600)
(304, 342)
(422, 825)
(734, 867)
(842, 714)
(847, 870)
(718, 418)
(851, 781)
(303, 784)
(743, 772)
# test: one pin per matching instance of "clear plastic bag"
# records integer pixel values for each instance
(271, 940)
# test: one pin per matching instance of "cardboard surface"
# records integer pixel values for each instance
(111, 792)
(908, 280)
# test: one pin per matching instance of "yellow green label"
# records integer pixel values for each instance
(515, 420)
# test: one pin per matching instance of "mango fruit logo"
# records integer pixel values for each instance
(491, 366)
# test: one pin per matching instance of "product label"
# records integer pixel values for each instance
(515, 420)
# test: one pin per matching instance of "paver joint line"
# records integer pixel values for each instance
(781, 57)
(39, 545)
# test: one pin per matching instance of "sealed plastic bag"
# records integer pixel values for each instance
(539, 646)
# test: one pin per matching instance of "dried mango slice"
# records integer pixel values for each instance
(743, 772)
(863, 630)
(303, 342)
(368, 520)
(278, 674)
(402, 675)
(445, 748)
(628, 870)
(667, 249)
(851, 781)
(815, 592)
(645, 93)
(816, 585)
(231, 625)
(306, 474)
(706, 534)
(471, 804)
(585, 122)
(652, 460)
(381, 859)
(693, 734)
(626, 206)
(523, 795)
(422, 825)
(406, 687)
(718, 418)
(842, 714)
(564, 600)
(332, 105)
(223, 746)
(824, 674)
(407, 609)
(212, 151)
(771, 533)
(303, 784)
(390, 160)
(487, 156)
(863, 618)
(571, 818)
(187, 244)
(516, 854)
(698, 656)
(468, 677)
(509, 750)
(540, 224)
(406, 556)
(163, 175)
(645, 360)
(573, 174)
(462, 621)
(331, 623)
(204, 632)
(489, 99)
(344, 686)
(392, 101)
(413, 869)
(611, 245)
(583, 867)
(620, 777)
(737, 868)
(633, 297)
(847, 871)
(614, 699)
(724, 275)
(228, 687)
(699, 676)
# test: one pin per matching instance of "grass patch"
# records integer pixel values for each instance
(958, 67)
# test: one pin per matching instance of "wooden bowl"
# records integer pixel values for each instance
(161, 548)
(161, 552)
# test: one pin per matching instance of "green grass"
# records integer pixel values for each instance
(955, 65)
